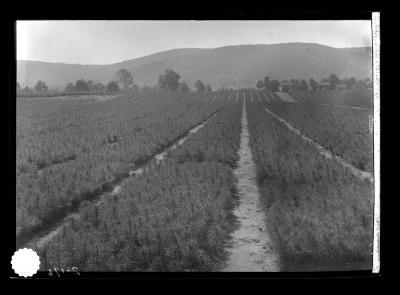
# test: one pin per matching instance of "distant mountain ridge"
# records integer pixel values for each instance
(228, 66)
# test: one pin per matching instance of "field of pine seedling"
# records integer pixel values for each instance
(343, 131)
(145, 182)
(319, 212)
(68, 151)
(361, 98)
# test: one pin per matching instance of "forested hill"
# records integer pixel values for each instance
(230, 66)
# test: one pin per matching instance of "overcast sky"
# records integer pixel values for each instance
(106, 42)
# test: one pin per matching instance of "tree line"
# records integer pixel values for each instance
(123, 82)
(170, 81)
(303, 85)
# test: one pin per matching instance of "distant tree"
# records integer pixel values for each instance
(18, 87)
(303, 86)
(274, 85)
(113, 87)
(40, 86)
(313, 84)
(124, 77)
(334, 80)
(200, 87)
(295, 84)
(81, 86)
(360, 85)
(147, 88)
(346, 82)
(27, 89)
(260, 84)
(133, 88)
(208, 88)
(99, 87)
(169, 81)
(266, 82)
(70, 88)
(183, 87)
(352, 81)
(90, 85)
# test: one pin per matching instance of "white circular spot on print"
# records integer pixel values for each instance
(25, 262)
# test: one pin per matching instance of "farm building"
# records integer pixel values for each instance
(341, 87)
(324, 86)
(285, 86)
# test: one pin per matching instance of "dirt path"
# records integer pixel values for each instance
(346, 107)
(251, 248)
(325, 152)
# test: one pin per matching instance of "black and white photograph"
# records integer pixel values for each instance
(217, 146)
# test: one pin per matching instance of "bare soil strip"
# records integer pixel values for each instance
(42, 238)
(286, 97)
(251, 248)
(363, 175)
(346, 107)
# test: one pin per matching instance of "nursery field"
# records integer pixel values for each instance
(358, 98)
(149, 181)
(343, 131)
(321, 215)
(69, 150)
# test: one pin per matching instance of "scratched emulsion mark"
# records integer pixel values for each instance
(251, 248)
